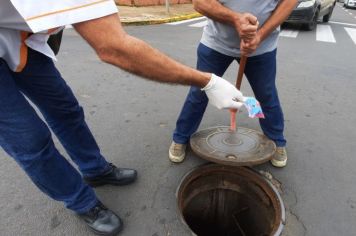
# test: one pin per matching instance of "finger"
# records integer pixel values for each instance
(248, 39)
(243, 52)
(248, 34)
(249, 51)
(249, 45)
(235, 105)
(249, 28)
(246, 52)
(252, 19)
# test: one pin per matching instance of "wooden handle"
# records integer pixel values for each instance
(240, 75)
(233, 119)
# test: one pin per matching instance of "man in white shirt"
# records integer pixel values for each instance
(26, 68)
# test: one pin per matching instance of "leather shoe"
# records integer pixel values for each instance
(114, 176)
(102, 221)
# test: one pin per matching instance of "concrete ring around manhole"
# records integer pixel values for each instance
(214, 199)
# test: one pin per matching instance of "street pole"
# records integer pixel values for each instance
(167, 6)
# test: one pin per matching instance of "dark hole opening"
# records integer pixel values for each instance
(217, 204)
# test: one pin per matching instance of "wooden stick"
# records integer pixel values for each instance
(233, 119)
(240, 74)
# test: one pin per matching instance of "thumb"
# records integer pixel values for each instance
(252, 19)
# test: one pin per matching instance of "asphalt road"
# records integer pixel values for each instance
(133, 120)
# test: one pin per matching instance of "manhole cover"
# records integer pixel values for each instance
(244, 147)
(216, 200)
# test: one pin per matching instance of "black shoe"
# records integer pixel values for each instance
(114, 176)
(102, 221)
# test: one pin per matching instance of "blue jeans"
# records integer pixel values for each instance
(26, 138)
(261, 74)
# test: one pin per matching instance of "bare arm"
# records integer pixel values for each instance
(114, 46)
(216, 11)
(244, 23)
(279, 15)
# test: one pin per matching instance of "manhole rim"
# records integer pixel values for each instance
(275, 191)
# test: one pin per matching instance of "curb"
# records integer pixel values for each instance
(160, 20)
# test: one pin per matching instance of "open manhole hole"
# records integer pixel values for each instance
(217, 200)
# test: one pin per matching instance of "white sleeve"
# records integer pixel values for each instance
(10, 18)
(44, 15)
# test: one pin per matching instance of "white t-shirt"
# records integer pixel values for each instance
(19, 18)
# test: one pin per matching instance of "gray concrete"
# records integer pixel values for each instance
(133, 119)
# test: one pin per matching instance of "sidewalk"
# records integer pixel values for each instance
(156, 14)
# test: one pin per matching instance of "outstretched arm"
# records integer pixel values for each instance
(113, 45)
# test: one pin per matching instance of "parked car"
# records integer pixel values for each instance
(307, 12)
(349, 3)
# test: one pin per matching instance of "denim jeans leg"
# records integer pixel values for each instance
(26, 138)
(261, 73)
(196, 101)
(42, 83)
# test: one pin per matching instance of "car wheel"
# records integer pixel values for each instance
(327, 17)
(312, 24)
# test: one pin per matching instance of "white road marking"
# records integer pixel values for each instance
(342, 23)
(289, 33)
(199, 24)
(352, 33)
(325, 34)
(186, 21)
